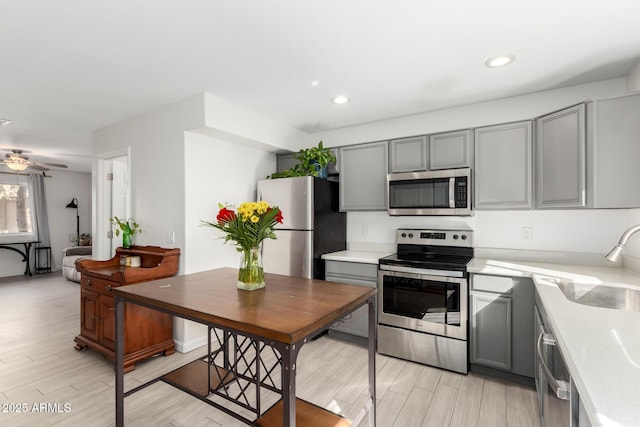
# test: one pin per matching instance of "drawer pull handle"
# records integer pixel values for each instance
(108, 288)
(88, 282)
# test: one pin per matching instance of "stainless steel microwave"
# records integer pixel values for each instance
(442, 192)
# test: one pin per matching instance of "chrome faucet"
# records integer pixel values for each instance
(613, 255)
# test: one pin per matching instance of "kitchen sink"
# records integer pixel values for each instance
(601, 295)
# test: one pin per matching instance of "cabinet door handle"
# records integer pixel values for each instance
(88, 282)
(560, 388)
(108, 288)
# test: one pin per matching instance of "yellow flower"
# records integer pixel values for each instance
(255, 218)
(262, 207)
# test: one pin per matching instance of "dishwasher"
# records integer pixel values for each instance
(558, 399)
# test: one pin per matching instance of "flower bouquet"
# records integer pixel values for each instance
(248, 227)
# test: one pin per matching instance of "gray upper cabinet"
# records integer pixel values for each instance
(451, 150)
(408, 154)
(560, 159)
(503, 166)
(613, 140)
(363, 177)
(285, 161)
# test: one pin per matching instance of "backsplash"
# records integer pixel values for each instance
(589, 230)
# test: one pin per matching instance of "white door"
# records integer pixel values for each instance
(119, 196)
(112, 197)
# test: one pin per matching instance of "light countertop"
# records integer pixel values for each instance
(601, 346)
(367, 257)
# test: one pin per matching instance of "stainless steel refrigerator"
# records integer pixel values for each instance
(312, 225)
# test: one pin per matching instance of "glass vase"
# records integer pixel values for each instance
(251, 273)
(126, 239)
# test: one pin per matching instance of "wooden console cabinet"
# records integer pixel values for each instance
(147, 332)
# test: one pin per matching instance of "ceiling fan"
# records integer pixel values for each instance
(18, 161)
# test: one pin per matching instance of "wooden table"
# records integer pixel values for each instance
(258, 334)
(26, 254)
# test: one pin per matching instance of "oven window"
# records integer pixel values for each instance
(431, 301)
(419, 193)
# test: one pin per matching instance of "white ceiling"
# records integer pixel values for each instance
(72, 66)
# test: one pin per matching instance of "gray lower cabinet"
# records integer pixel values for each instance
(353, 273)
(408, 154)
(561, 159)
(501, 323)
(451, 150)
(504, 166)
(363, 177)
(491, 330)
(613, 136)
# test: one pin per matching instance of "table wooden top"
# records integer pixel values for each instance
(286, 310)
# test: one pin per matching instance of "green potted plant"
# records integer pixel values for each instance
(129, 227)
(84, 239)
(313, 162)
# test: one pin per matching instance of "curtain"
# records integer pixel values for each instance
(41, 226)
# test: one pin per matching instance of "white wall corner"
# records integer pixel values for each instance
(232, 122)
(633, 79)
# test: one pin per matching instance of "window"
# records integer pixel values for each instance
(15, 209)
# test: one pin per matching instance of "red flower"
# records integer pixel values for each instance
(225, 215)
(279, 217)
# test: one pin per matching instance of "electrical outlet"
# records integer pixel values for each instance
(526, 233)
(171, 237)
(365, 230)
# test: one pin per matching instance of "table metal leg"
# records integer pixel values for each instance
(289, 385)
(26, 255)
(372, 359)
(27, 258)
(119, 309)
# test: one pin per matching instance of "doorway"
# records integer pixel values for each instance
(113, 198)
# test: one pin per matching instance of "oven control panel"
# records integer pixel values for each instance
(462, 238)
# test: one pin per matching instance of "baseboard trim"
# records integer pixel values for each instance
(186, 347)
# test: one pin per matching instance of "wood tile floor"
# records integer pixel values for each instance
(55, 385)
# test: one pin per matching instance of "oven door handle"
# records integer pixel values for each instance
(559, 387)
(436, 274)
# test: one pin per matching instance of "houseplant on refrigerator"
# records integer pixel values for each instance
(313, 161)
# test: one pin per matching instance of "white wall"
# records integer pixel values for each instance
(156, 139)
(59, 190)
(592, 231)
(234, 123)
(217, 172)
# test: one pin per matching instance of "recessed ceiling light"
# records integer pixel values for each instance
(500, 60)
(4, 122)
(315, 83)
(340, 99)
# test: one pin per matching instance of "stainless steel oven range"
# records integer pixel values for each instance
(422, 298)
